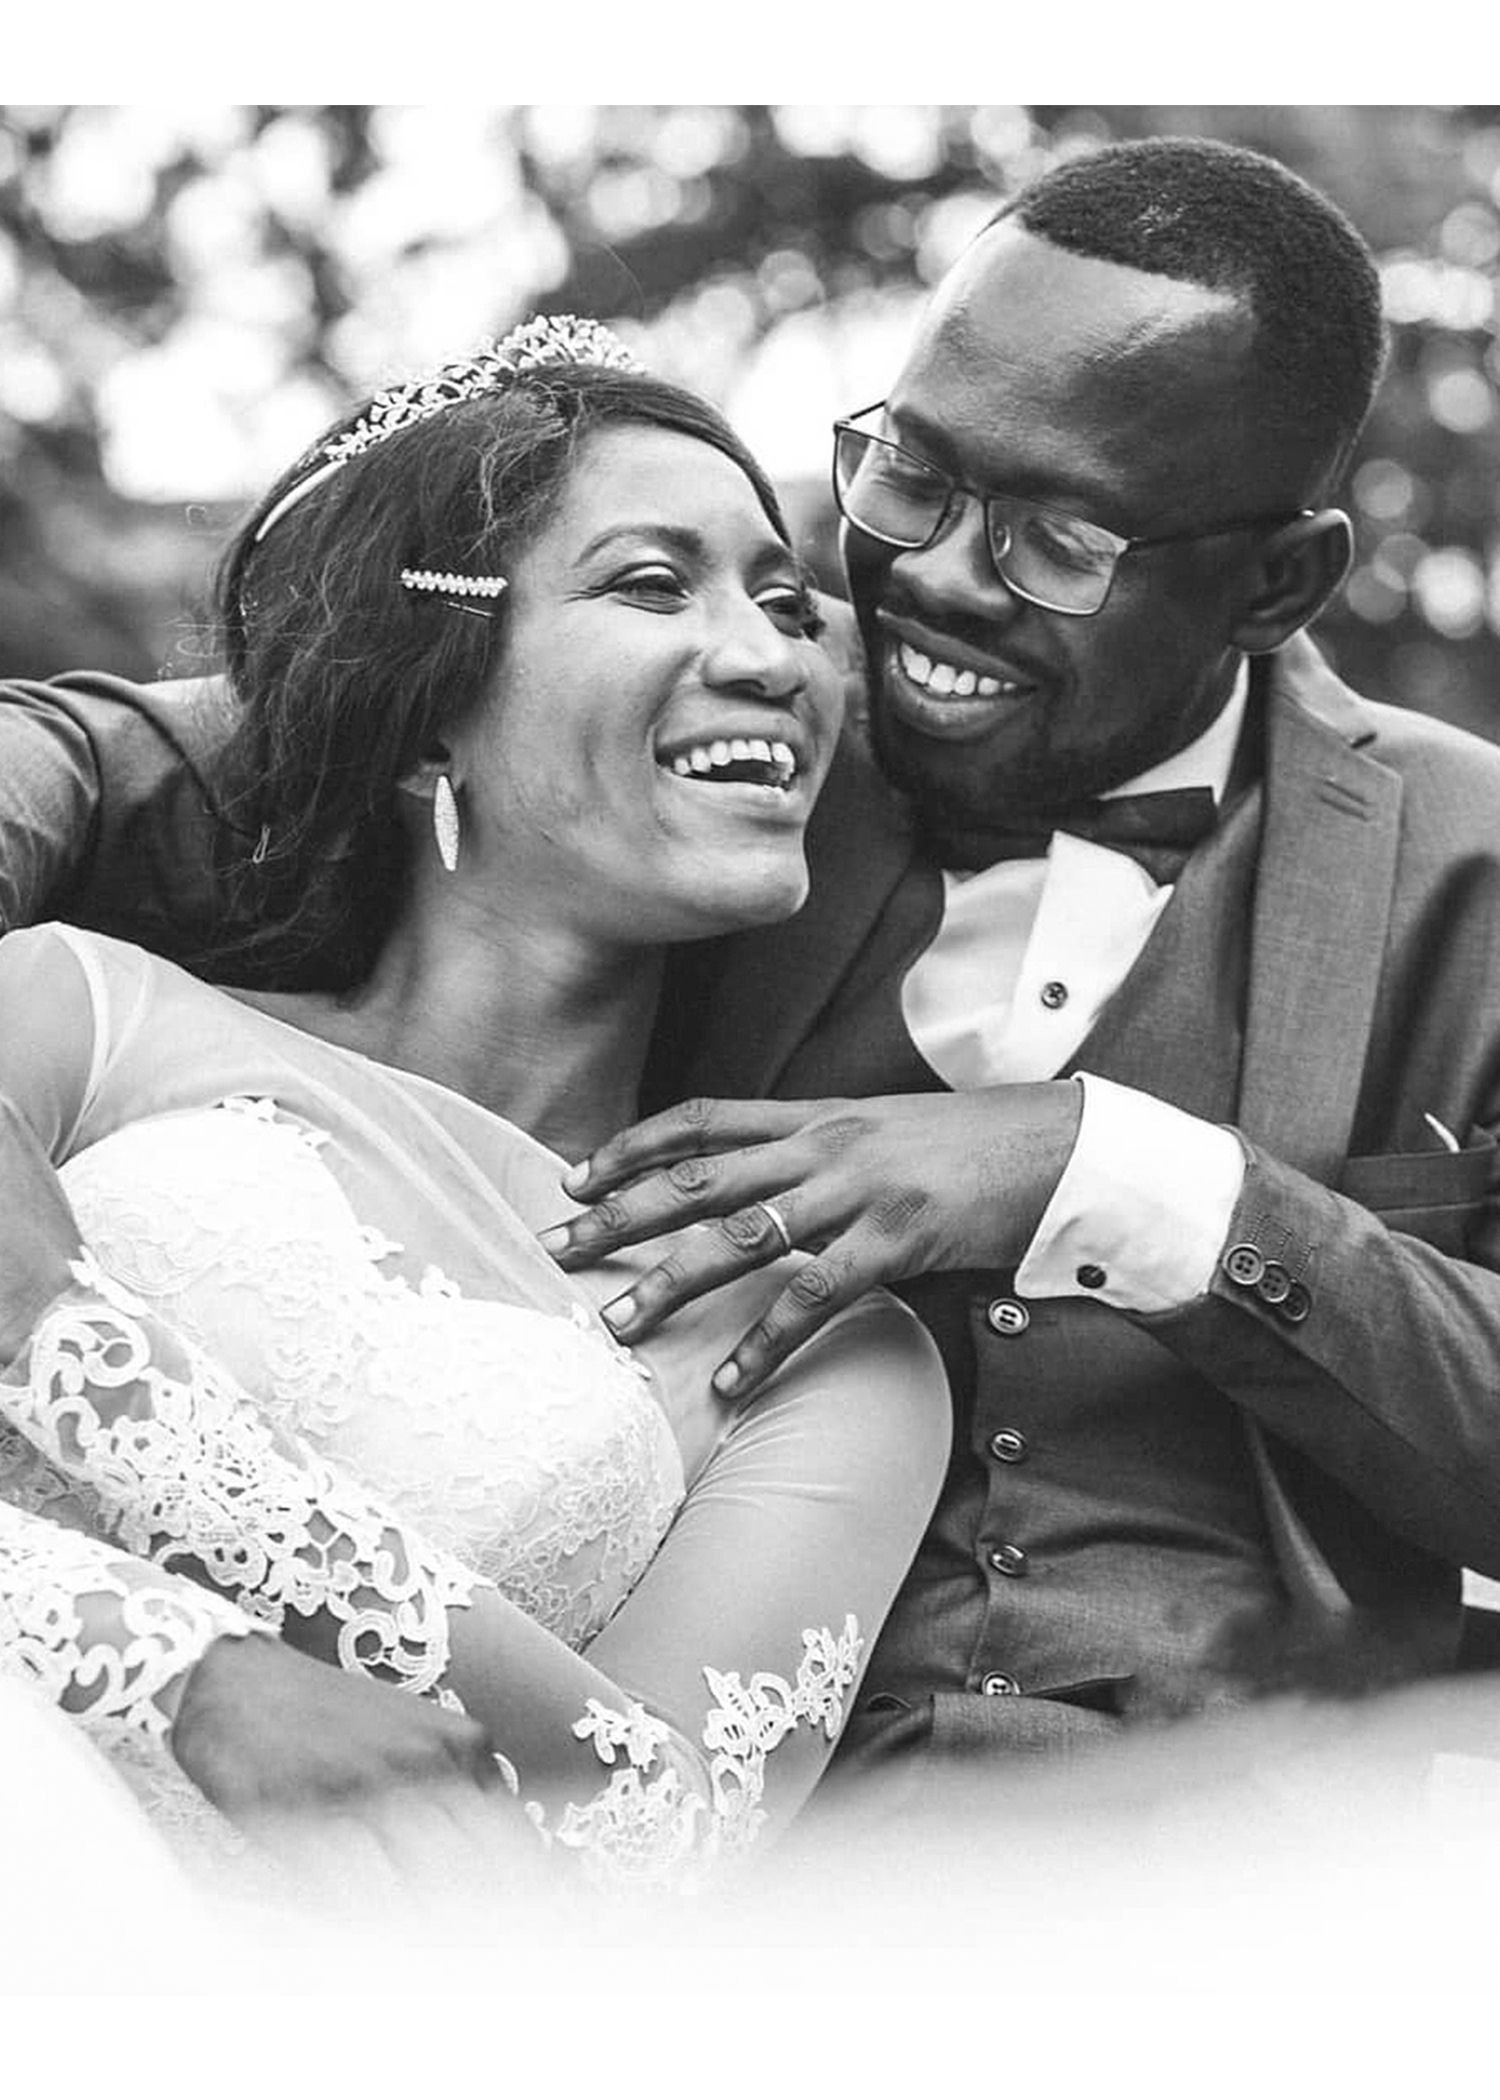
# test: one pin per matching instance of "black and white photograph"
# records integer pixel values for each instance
(750, 1065)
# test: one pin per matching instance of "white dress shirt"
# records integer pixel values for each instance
(1026, 956)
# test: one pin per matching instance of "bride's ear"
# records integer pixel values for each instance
(421, 782)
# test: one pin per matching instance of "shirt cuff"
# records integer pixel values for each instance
(1141, 1213)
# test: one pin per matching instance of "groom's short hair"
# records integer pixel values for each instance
(1234, 221)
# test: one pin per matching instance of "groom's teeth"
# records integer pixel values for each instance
(947, 680)
(719, 752)
(682, 763)
(700, 760)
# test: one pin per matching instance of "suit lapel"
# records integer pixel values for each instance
(1322, 911)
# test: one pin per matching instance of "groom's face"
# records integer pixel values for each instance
(1120, 398)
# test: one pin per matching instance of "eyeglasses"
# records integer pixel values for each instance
(1061, 563)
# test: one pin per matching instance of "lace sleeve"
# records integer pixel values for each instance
(704, 1713)
(106, 1637)
(182, 1469)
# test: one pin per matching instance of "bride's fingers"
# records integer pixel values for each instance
(681, 1194)
(700, 1260)
(697, 1126)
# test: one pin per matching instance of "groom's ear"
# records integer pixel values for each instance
(1301, 567)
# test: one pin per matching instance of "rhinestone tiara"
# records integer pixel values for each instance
(546, 339)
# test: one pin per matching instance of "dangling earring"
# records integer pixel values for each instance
(445, 825)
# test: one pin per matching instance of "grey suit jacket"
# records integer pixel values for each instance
(1327, 974)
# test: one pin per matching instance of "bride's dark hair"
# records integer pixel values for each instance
(342, 681)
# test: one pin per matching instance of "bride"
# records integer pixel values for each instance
(527, 688)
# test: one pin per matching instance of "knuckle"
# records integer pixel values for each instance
(842, 1132)
(608, 1215)
(691, 1177)
(745, 1230)
(893, 1216)
(660, 1283)
(813, 1287)
(698, 1113)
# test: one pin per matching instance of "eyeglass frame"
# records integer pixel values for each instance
(1121, 544)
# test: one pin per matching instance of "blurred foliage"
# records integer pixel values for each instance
(187, 295)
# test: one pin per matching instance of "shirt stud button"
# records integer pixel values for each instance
(1054, 994)
(1008, 1316)
(1091, 1277)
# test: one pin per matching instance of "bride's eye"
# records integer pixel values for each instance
(651, 583)
(793, 608)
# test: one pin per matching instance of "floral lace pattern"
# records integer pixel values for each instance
(525, 1444)
(182, 1468)
(648, 1828)
(107, 1639)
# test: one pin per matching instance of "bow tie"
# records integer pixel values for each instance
(1158, 831)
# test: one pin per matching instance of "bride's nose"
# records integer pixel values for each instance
(748, 653)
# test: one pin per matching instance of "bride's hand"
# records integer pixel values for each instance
(263, 1730)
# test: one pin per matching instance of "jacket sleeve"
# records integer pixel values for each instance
(1366, 1334)
(104, 812)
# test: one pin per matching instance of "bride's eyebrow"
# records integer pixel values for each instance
(679, 539)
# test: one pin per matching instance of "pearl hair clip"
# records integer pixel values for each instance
(453, 585)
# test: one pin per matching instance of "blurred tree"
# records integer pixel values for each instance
(187, 295)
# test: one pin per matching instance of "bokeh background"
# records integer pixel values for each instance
(188, 294)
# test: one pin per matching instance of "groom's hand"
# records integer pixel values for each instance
(873, 1191)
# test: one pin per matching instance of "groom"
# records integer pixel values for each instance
(1144, 1024)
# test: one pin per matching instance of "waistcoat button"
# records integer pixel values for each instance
(1009, 1446)
(997, 1684)
(1008, 1560)
(1008, 1316)
(1054, 994)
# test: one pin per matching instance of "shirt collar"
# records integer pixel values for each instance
(1206, 761)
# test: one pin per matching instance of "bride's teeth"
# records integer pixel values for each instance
(782, 755)
(964, 684)
(700, 760)
(915, 664)
(718, 751)
(757, 747)
(988, 687)
(943, 678)
(739, 748)
(681, 763)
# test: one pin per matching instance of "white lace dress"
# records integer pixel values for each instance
(314, 1354)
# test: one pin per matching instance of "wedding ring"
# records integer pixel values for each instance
(778, 1224)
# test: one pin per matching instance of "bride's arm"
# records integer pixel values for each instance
(709, 1704)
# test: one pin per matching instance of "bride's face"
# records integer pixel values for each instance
(660, 722)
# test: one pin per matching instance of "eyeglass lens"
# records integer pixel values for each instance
(1060, 562)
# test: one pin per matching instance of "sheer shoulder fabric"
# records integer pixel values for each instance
(347, 1254)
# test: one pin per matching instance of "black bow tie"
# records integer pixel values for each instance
(1158, 831)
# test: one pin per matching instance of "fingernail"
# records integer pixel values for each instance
(576, 1177)
(726, 1378)
(554, 1239)
(620, 1313)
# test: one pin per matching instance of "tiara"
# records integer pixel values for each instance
(547, 339)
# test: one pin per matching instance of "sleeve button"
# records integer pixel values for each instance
(1297, 1304)
(1275, 1283)
(1244, 1264)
